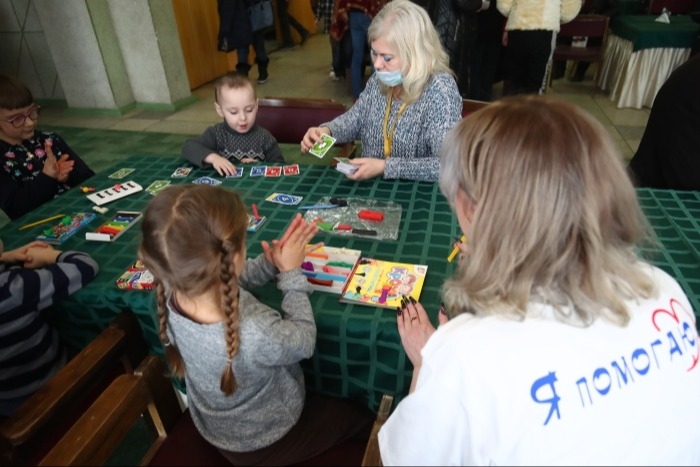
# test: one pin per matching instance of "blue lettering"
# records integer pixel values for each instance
(584, 382)
(673, 344)
(548, 380)
(653, 351)
(635, 357)
(596, 377)
(684, 336)
(622, 373)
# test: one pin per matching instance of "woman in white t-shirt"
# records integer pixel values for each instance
(562, 346)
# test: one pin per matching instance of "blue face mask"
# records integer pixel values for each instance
(390, 78)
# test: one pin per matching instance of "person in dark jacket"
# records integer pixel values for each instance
(235, 33)
(487, 53)
(669, 153)
(35, 165)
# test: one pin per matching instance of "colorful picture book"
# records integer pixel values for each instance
(119, 223)
(381, 283)
(137, 277)
(328, 268)
(66, 228)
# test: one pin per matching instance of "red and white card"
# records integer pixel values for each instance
(291, 169)
(273, 171)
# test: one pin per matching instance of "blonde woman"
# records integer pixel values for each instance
(409, 104)
(563, 347)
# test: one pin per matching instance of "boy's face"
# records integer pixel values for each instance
(238, 107)
(18, 124)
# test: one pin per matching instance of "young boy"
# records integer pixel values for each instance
(35, 166)
(238, 138)
(32, 278)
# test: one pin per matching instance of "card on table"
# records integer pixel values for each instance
(273, 172)
(281, 198)
(121, 173)
(237, 174)
(206, 181)
(322, 146)
(157, 186)
(181, 172)
(291, 169)
(258, 171)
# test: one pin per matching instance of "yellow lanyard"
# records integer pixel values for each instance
(389, 135)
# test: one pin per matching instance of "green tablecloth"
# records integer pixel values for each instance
(358, 350)
(645, 33)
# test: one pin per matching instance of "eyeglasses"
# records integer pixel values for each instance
(18, 120)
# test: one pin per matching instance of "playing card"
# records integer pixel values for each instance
(322, 146)
(121, 173)
(281, 198)
(237, 174)
(291, 169)
(343, 165)
(206, 181)
(273, 172)
(258, 171)
(181, 172)
(157, 186)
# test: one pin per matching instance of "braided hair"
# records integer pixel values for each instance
(190, 237)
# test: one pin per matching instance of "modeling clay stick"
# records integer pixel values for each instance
(336, 271)
(316, 254)
(326, 283)
(324, 276)
(455, 250)
(364, 232)
(255, 212)
(48, 219)
(340, 264)
(368, 215)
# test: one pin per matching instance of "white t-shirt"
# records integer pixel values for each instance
(494, 391)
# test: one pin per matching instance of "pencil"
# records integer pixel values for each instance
(455, 250)
(255, 212)
(48, 219)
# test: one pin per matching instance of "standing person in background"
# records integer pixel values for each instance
(235, 33)
(32, 278)
(410, 102)
(668, 156)
(580, 353)
(35, 165)
(324, 13)
(456, 23)
(487, 53)
(355, 16)
(529, 39)
(240, 357)
(286, 20)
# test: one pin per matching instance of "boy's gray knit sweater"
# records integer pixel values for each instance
(270, 394)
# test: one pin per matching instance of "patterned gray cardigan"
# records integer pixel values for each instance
(419, 131)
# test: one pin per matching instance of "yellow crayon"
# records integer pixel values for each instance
(455, 250)
(48, 219)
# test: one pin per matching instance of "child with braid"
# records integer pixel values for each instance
(239, 357)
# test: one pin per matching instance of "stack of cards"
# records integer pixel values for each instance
(237, 174)
(281, 198)
(344, 165)
(322, 146)
(274, 171)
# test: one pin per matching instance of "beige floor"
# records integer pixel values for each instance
(304, 73)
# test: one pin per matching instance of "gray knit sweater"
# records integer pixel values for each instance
(419, 131)
(270, 394)
(258, 143)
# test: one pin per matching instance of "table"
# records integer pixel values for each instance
(641, 54)
(358, 351)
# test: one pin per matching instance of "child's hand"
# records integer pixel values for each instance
(312, 135)
(65, 167)
(222, 165)
(51, 168)
(248, 160)
(290, 254)
(38, 257)
(19, 255)
(267, 248)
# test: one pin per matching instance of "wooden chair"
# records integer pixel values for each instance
(288, 119)
(676, 7)
(38, 423)
(148, 392)
(471, 105)
(592, 26)
(372, 456)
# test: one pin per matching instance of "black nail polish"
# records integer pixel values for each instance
(398, 311)
(412, 299)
